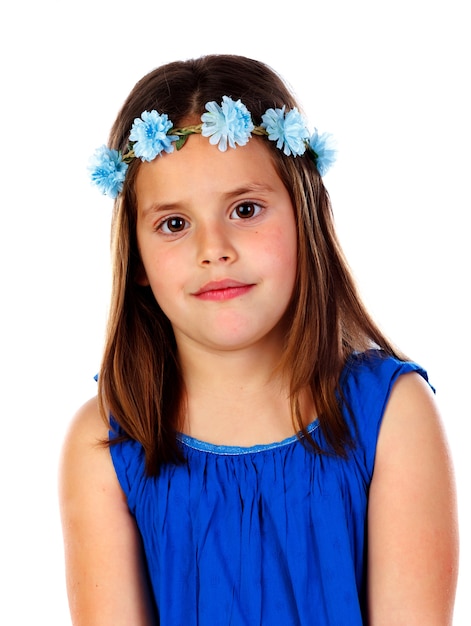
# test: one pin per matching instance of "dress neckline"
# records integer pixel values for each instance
(213, 448)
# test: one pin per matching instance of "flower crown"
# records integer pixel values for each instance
(228, 124)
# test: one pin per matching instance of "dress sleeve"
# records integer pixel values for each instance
(368, 381)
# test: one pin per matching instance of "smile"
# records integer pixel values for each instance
(218, 291)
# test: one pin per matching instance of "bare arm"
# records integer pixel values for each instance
(105, 576)
(413, 536)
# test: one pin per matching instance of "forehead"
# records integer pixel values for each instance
(200, 167)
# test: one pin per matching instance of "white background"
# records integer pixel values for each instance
(390, 79)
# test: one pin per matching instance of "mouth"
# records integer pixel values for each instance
(222, 290)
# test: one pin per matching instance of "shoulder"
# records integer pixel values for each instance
(411, 422)
(87, 422)
(86, 468)
(85, 442)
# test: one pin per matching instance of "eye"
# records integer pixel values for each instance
(172, 225)
(246, 210)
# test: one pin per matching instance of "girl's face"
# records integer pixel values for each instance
(217, 238)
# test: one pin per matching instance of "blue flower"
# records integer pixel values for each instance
(288, 130)
(107, 171)
(325, 148)
(149, 132)
(229, 123)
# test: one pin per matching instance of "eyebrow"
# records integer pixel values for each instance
(242, 190)
(159, 207)
(248, 189)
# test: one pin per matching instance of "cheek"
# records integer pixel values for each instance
(158, 262)
(280, 256)
(154, 271)
(282, 244)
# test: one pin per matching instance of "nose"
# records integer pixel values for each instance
(215, 244)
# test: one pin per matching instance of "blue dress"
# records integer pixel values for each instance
(265, 535)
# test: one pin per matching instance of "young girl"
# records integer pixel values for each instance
(258, 452)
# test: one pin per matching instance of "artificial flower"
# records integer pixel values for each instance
(149, 132)
(108, 170)
(288, 130)
(227, 124)
(324, 147)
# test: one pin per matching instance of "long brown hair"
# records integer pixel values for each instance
(140, 381)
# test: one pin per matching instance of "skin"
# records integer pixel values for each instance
(104, 572)
(413, 531)
(206, 216)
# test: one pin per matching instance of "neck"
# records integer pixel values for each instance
(236, 397)
(221, 370)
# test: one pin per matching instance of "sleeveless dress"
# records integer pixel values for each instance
(265, 535)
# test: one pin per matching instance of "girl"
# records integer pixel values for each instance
(258, 451)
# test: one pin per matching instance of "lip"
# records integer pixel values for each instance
(222, 290)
